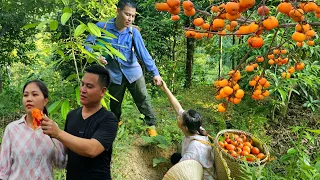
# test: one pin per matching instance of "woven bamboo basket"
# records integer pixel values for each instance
(235, 165)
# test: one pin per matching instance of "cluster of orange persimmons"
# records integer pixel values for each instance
(240, 146)
(226, 18)
(229, 89)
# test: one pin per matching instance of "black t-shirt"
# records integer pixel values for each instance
(102, 126)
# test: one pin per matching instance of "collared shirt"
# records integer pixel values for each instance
(29, 154)
(130, 67)
(192, 148)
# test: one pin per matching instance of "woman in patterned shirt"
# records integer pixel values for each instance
(193, 146)
(27, 153)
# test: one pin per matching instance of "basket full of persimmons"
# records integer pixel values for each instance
(236, 151)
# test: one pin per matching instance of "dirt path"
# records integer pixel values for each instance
(138, 162)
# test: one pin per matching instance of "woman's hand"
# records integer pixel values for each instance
(163, 86)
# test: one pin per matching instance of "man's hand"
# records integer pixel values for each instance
(50, 128)
(157, 80)
(103, 60)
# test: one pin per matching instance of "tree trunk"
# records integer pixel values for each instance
(189, 62)
(173, 53)
(220, 60)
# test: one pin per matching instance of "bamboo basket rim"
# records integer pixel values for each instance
(226, 155)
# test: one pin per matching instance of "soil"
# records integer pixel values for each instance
(281, 132)
(139, 162)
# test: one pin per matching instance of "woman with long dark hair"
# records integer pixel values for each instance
(195, 137)
(27, 153)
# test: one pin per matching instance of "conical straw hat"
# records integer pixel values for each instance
(185, 170)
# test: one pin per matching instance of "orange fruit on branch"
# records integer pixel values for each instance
(232, 8)
(175, 17)
(298, 37)
(310, 7)
(311, 33)
(249, 68)
(271, 61)
(205, 26)
(190, 13)
(221, 107)
(162, 6)
(198, 21)
(284, 8)
(262, 81)
(296, 13)
(190, 34)
(259, 59)
(299, 44)
(187, 5)
(270, 23)
(263, 10)
(299, 66)
(239, 94)
(214, 9)
(270, 56)
(255, 41)
(227, 90)
(218, 23)
(252, 83)
(174, 11)
(173, 3)
(310, 43)
(265, 93)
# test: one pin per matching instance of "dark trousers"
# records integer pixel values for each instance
(139, 94)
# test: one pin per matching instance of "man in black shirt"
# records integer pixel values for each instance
(89, 130)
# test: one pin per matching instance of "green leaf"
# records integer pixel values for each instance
(148, 140)
(103, 103)
(28, 26)
(283, 95)
(109, 95)
(41, 24)
(67, 10)
(113, 50)
(54, 107)
(65, 108)
(79, 30)
(291, 151)
(77, 91)
(317, 166)
(71, 77)
(53, 25)
(108, 34)
(317, 131)
(307, 167)
(94, 29)
(60, 52)
(161, 139)
(65, 17)
(65, 2)
(156, 161)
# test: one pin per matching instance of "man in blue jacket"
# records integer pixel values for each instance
(128, 74)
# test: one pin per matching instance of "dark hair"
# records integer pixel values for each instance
(193, 121)
(122, 3)
(43, 88)
(101, 71)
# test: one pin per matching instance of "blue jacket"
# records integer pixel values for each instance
(130, 68)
